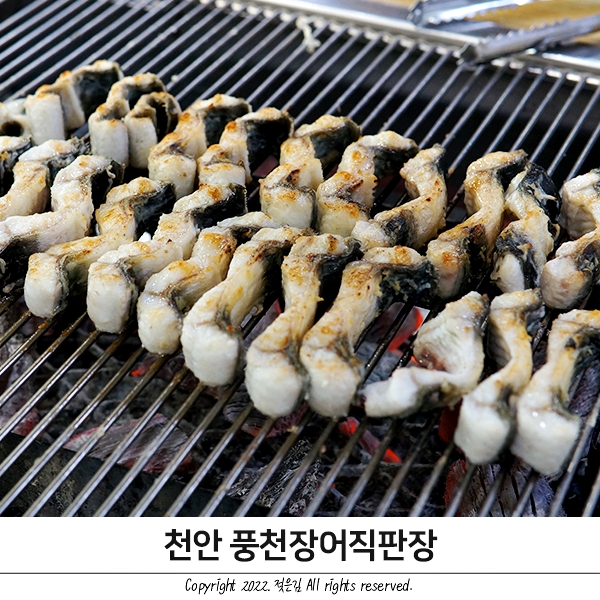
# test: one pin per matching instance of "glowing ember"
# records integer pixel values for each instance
(368, 441)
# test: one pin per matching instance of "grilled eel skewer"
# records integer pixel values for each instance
(288, 193)
(34, 173)
(461, 255)
(347, 197)
(62, 270)
(57, 109)
(546, 430)
(449, 349)
(117, 278)
(126, 134)
(201, 125)
(486, 423)
(568, 278)
(369, 286)
(524, 244)
(415, 223)
(77, 189)
(172, 292)
(211, 336)
(275, 378)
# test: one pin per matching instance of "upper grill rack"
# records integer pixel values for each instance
(76, 377)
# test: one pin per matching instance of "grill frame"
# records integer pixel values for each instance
(397, 55)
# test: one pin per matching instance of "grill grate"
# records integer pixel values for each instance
(77, 378)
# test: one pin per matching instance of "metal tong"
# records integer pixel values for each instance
(540, 38)
(435, 12)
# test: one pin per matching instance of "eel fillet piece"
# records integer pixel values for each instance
(461, 255)
(568, 278)
(62, 270)
(288, 193)
(275, 378)
(111, 134)
(211, 337)
(153, 116)
(415, 223)
(11, 149)
(524, 244)
(449, 349)
(369, 286)
(546, 430)
(117, 277)
(486, 423)
(65, 105)
(123, 273)
(77, 190)
(249, 139)
(34, 173)
(348, 196)
(170, 294)
(175, 157)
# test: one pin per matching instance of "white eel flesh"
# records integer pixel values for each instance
(415, 223)
(175, 157)
(211, 337)
(369, 286)
(288, 193)
(449, 350)
(525, 243)
(568, 278)
(347, 197)
(62, 270)
(249, 139)
(117, 277)
(171, 293)
(112, 135)
(461, 255)
(121, 274)
(58, 108)
(33, 175)
(77, 189)
(546, 430)
(275, 378)
(486, 424)
(11, 149)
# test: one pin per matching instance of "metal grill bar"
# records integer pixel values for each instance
(460, 492)
(237, 469)
(275, 98)
(419, 505)
(51, 50)
(400, 477)
(333, 81)
(272, 467)
(552, 130)
(30, 16)
(592, 502)
(360, 485)
(255, 93)
(565, 483)
(258, 50)
(335, 469)
(585, 115)
(115, 494)
(89, 444)
(495, 489)
(308, 85)
(525, 494)
(68, 432)
(27, 374)
(407, 75)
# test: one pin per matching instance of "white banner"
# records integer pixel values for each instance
(180, 557)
